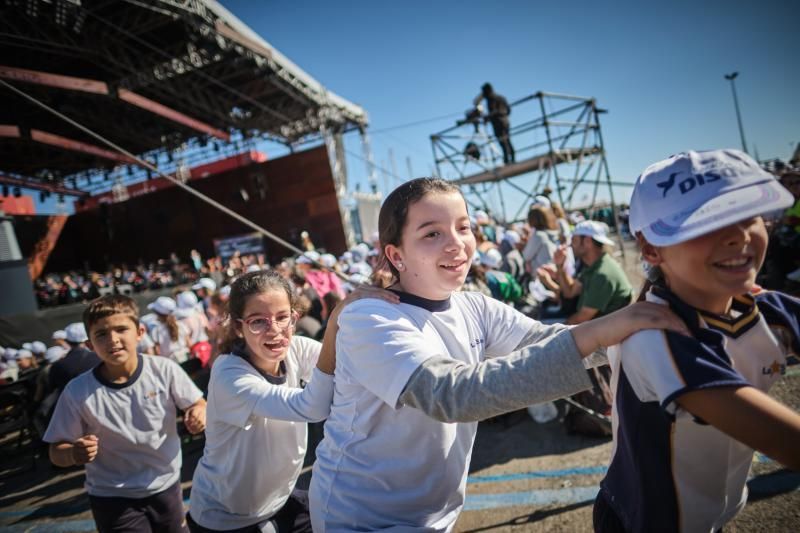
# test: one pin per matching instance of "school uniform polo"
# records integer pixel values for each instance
(139, 451)
(670, 471)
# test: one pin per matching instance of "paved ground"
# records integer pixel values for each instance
(524, 477)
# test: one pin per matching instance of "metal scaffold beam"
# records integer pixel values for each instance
(559, 147)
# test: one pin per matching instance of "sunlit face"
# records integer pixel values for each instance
(271, 312)
(115, 339)
(580, 245)
(707, 272)
(436, 248)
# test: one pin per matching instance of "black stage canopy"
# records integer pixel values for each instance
(161, 78)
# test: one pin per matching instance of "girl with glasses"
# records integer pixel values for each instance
(257, 412)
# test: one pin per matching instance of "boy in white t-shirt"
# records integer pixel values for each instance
(119, 420)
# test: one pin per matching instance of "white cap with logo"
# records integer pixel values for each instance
(694, 193)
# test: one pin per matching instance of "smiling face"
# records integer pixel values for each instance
(267, 349)
(436, 247)
(114, 339)
(707, 272)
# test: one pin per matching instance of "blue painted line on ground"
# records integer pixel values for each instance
(760, 484)
(765, 486)
(477, 502)
(580, 471)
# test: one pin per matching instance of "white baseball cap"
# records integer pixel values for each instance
(205, 283)
(187, 304)
(598, 231)
(541, 201)
(54, 353)
(164, 305)
(76, 332)
(308, 258)
(492, 258)
(38, 347)
(186, 300)
(24, 354)
(328, 260)
(694, 193)
(59, 335)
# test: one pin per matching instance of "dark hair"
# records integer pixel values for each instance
(331, 300)
(172, 326)
(542, 218)
(655, 276)
(394, 213)
(243, 288)
(110, 304)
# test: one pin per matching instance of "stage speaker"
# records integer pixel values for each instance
(9, 249)
(16, 289)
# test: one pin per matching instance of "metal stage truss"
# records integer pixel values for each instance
(175, 82)
(558, 144)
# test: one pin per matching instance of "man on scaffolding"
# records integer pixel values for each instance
(499, 110)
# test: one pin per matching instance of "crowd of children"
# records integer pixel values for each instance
(403, 374)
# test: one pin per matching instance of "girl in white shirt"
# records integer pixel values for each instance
(172, 338)
(257, 413)
(412, 379)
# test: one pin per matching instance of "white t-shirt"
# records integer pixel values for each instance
(197, 324)
(385, 465)
(177, 350)
(251, 463)
(139, 452)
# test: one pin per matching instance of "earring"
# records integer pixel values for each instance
(399, 266)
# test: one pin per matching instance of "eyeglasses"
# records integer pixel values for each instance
(259, 324)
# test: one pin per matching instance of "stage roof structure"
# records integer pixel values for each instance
(176, 82)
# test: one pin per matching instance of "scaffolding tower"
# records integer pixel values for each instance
(559, 146)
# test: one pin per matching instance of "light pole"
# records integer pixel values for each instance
(730, 77)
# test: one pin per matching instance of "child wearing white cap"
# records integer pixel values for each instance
(59, 338)
(190, 313)
(77, 361)
(172, 338)
(689, 410)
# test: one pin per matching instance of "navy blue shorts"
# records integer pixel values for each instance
(162, 512)
(293, 517)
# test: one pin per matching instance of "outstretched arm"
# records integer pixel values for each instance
(549, 367)
(751, 417)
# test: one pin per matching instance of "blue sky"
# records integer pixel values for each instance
(657, 67)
